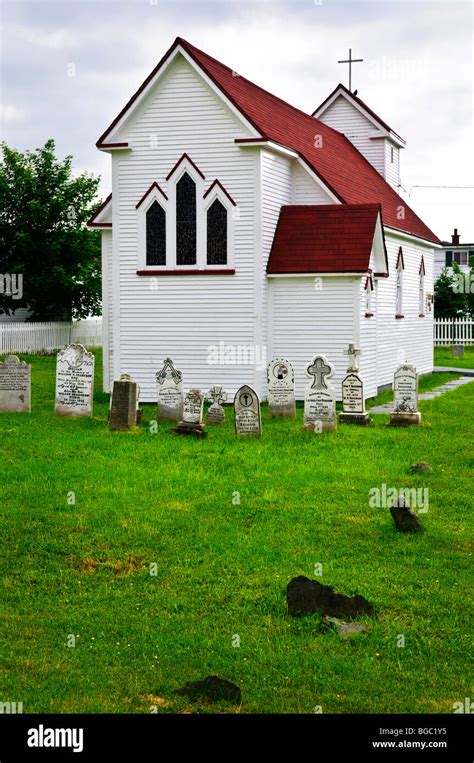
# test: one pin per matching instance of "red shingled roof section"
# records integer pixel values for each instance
(338, 163)
(327, 238)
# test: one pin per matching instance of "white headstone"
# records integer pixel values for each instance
(281, 388)
(169, 392)
(193, 407)
(353, 394)
(405, 387)
(74, 381)
(320, 396)
(247, 412)
(15, 385)
(216, 413)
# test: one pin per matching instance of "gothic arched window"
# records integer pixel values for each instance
(217, 234)
(186, 221)
(155, 235)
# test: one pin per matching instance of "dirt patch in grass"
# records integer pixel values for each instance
(131, 565)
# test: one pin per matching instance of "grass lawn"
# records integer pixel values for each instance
(443, 356)
(223, 564)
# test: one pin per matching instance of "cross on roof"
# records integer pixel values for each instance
(352, 352)
(217, 395)
(350, 61)
(319, 370)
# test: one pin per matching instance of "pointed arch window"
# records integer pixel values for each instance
(369, 288)
(421, 289)
(399, 285)
(217, 234)
(155, 235)
(186, 220)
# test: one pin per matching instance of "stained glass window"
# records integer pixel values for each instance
(186, 221)
(156, 235)
(217, 234)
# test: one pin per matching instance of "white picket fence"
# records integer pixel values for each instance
(447, 331)
(42, 338)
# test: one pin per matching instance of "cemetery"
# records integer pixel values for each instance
(249, 552)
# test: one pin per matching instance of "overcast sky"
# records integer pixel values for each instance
(417, 74)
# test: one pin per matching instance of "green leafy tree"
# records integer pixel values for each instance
(450, 298)
(43, 235)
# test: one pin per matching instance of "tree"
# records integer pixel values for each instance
(43, 236)
(450, 300)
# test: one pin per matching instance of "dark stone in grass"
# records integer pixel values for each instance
(212, 689)
(306, 596)
(195, 430)
(422, 467)
(404, 517)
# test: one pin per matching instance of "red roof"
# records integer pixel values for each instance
(337, 162)
(327, 238)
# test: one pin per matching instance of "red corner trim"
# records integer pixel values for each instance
(112, 145)
(91, 223)
(217, 182)
(399, 317)
(185, 156)
(369, 315)
(153, 185)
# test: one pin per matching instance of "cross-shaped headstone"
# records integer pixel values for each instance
(217, 395)
(319, 370)
(353, 352)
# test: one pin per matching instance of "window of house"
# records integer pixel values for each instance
(461, 258)
(399, 285)
(391, 154)
(185, 221)
(369, 288)
(155, 235)
(449, 259)
(421, 290)
(217, 234)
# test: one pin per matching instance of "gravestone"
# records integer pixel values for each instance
(193, 407)
(281, 388)
(320, 396)
(15, 385)
(74, 381)
(124, 404)
(405, 387)
(247, 412)
(353, 401)
(458, 350)
(216, 413)
(169, 381)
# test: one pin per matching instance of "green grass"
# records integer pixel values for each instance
(223, 565)
(443, 356)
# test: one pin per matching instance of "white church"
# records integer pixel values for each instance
(240, 229)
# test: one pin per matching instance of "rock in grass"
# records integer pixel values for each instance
(422, 467)
(344, 629)
(212, 689)
(404, 517)
(305, 596)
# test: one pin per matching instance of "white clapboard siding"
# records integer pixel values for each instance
(44, 337)
(305, 188)
(409, 338)
(307, 320)
(21, 314)
(447, 331)
(344, 117)
(186, 316)
(107, 310)
(392, 169)
(368, 339)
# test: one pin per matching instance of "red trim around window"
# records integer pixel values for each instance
(398, 317)
(218, 182)
(217, 272)
(369, 315)
(185, 156)
(153, 185)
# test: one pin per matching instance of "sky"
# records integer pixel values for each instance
(67, 68)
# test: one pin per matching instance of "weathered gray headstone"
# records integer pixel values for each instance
(320, 396)
(247, 412)
(169, 381)
(281, 388)
(74, 381)
(216, 413)
(124, 403)
(353, 400)
(405, 386)
(192, 415)
(15, 385)
(458, 350)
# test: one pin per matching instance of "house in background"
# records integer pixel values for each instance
(237, 220)
(463, 254)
